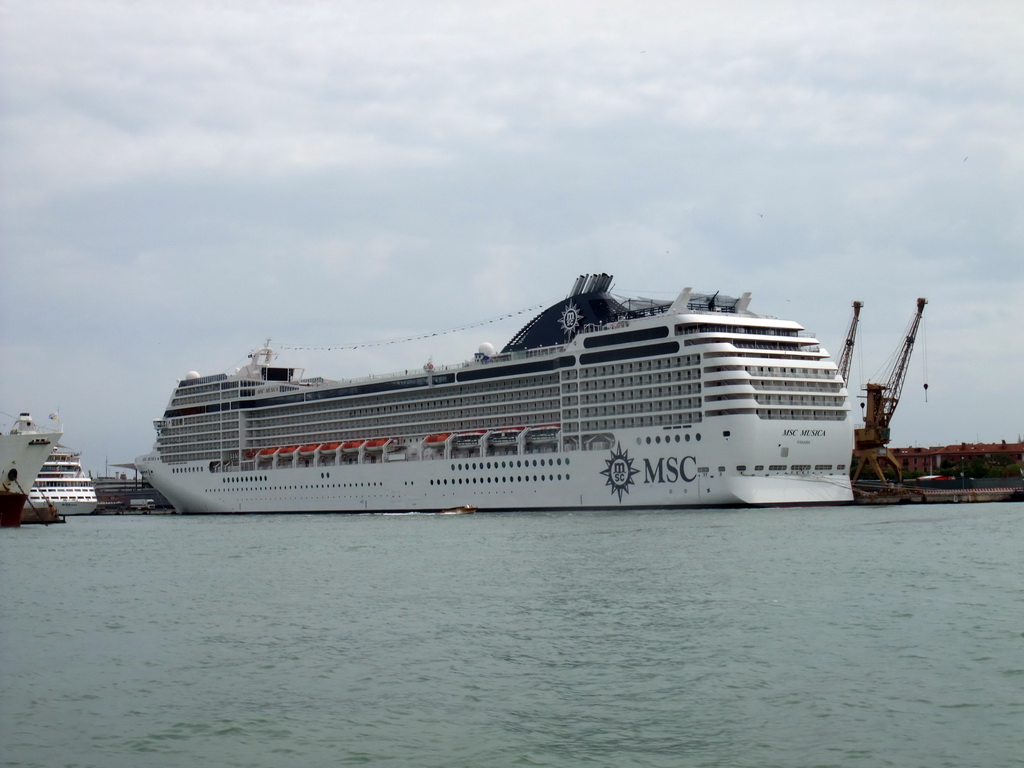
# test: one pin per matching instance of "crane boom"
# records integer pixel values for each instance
(899, 372)
(846, 357)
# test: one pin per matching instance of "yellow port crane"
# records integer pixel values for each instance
(870, 441)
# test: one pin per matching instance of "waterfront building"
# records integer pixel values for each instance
(938, 459)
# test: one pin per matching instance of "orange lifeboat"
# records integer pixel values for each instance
(376, 444)
(437, 439)
(267, 452)
(289, 451)
(329, 447)
(309, 450)
(351, 445)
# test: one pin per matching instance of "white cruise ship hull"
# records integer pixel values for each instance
(662, 473)
(63, 508)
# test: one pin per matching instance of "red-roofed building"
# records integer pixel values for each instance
(932, 461)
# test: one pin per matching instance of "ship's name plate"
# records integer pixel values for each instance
(803, 433)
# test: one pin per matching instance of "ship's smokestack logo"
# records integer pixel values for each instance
(570, 319)
(619, 471)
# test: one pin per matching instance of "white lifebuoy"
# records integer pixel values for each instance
(429, 366)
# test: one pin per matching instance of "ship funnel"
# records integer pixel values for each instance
(591, 284)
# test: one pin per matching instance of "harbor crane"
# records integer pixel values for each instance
(870, 441)
(846, 358)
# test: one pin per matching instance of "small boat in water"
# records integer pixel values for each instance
(465, 509)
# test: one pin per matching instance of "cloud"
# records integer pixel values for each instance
(182, 181)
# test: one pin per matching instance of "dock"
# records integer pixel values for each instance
(904, 495)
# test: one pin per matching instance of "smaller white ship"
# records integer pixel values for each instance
(62, 485)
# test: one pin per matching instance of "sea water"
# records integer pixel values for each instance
(857, 636)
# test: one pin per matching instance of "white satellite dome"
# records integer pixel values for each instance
(191, 375)
(486, 348)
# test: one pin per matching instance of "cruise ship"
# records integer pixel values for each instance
(599, 402)
(62, 485)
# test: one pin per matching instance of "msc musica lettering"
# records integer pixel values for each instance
(803, 433)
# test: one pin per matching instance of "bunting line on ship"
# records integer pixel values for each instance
(418, 337)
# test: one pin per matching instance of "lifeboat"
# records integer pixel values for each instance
(436, 440)
(265, 453)
(351, 446)
(250, 454)
(377, 444)
(505, 436)
(471, 437)
(545, 434)
(288, 451)
(329, 447)
(309, 450)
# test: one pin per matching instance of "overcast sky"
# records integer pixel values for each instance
(181, 181)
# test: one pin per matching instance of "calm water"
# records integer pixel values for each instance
(815, 637)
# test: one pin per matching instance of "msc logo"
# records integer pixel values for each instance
(670, 470)
(619, 471)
